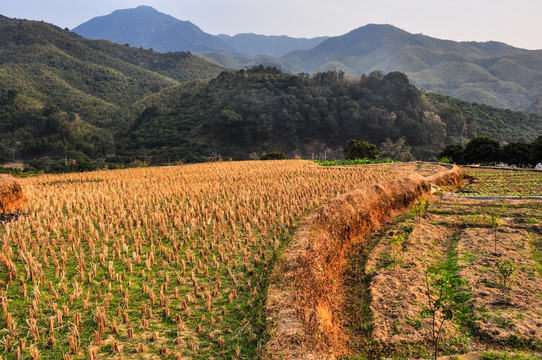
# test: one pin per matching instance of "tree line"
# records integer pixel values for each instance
(486, 151)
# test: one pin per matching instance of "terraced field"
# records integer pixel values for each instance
(490, 249)
(154, 262)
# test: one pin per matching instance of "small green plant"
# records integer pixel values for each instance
(384, 261)
(495, 223)
(445, 160)
(420, 208)
(396, 242)
(441, 287)
(506, 272)
(407, 229)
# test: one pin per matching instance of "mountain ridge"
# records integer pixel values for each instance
(490, 72)
(146, 27)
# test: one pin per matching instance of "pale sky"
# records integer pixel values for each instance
(517, 22)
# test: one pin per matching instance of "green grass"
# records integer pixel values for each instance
(352, 162)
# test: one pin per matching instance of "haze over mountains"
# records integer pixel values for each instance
(148, 28)
(492, 73)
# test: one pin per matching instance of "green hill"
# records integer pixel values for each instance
(48, 73)
(262, 110)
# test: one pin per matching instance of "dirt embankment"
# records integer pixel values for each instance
(304, 295)
(11, 194)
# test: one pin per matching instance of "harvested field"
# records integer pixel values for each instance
(155, 262)
(492, 182)
(11, 194)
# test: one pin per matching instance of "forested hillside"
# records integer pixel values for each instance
(61, 92)
(65, 100)
(263, 109)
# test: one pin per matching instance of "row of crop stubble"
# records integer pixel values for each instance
(162, 262)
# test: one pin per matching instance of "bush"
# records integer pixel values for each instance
(274, 156)
(356, 149)
(453, 152)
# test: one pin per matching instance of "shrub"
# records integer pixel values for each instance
(274, 156)
(356, 149)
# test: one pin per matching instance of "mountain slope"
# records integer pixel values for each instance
(277, 46)
(84, 86)
(493, 73)
(148, 28)
(263, 109)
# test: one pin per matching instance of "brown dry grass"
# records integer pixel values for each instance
(305, 296)
(11, 194)
(192, 245)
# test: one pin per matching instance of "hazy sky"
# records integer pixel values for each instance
(515, 22)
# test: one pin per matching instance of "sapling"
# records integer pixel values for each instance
(506, 271)
(420, 208)
(495, 224)
(396, 242)
(441, 286)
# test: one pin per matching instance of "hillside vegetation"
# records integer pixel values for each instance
(65, 100)
(263, 109)
(60, 92)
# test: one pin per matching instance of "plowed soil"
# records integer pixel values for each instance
(387, 291)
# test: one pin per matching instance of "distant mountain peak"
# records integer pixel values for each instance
(146, 27)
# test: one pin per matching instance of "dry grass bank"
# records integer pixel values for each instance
(304, 295)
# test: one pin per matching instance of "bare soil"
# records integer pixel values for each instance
(459, 231)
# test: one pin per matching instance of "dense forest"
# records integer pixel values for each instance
(243, 114)
(262, 109)
(61, 93)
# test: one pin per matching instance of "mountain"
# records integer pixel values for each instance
(492, 73)
(60, 91)
(148, 28)
(276, 46)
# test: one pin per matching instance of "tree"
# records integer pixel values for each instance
(433, 127)
(517, 153)
(441, 286)
(356, 149)
(396, 151)
(453, 152)
(536, 151)
(274, 156)
(482, 150)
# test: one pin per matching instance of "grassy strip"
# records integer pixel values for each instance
(360, 321)
(503, 355)
(360, 318)
(465, 317)
(536, 251)
(352, 162)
